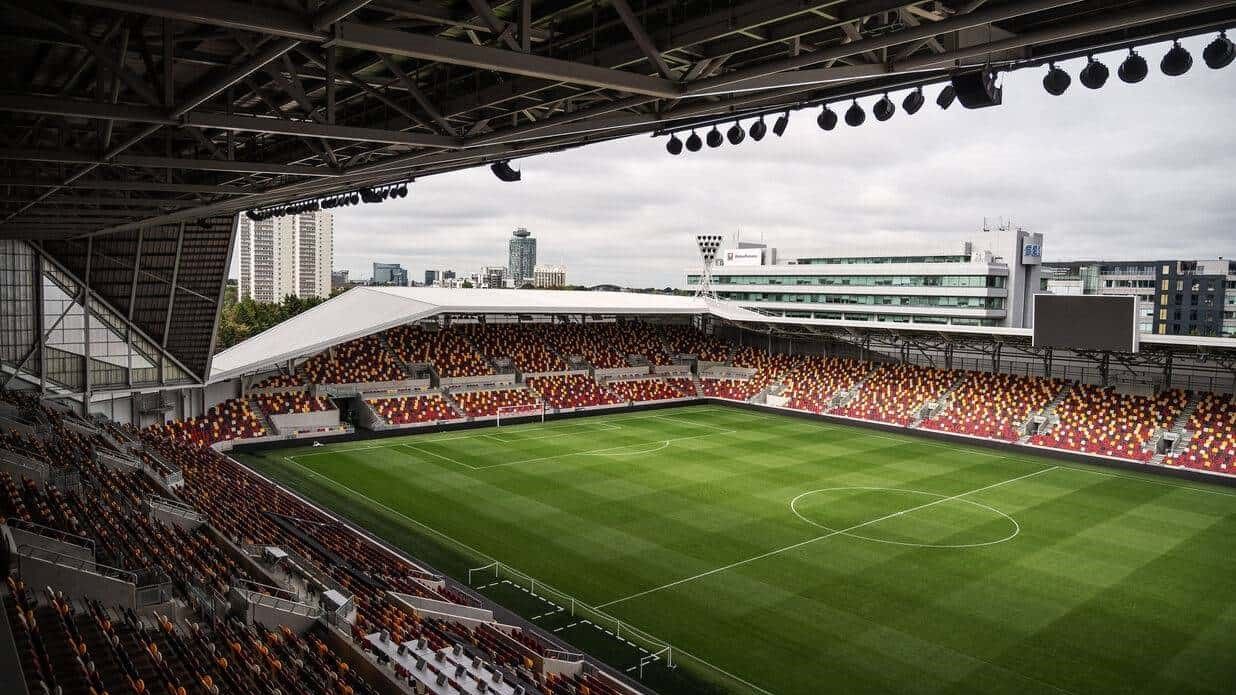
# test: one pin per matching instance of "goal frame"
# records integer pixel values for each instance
(520, 411)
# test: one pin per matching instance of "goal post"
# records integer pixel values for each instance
(518, 411)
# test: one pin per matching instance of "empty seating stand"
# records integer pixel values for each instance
(1105, 422)
(994, 405)
(1212, 431)
(572, 391)
(404, 410)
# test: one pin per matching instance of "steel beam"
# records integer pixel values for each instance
(234, 122)
(262, 19)
(642, 39)
(364, 37)
(69, 157)
(126, 186)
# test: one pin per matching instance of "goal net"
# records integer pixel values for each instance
(511, 412)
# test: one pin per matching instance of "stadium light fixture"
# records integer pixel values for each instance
(913, 101)
(1220, 53)
(946, 97)
(674, 146)
(1176, 61)
(714, 138)
(758, 130)
(1094, 75)
(827, 120)
(1134, 68)
(735, 134)
(694, 143)
(884, 109)
(1057, 81)
(855, 116)
(782, 121)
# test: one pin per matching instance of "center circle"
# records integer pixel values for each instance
(894, 506)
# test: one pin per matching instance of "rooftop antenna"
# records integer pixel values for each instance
(708, 245)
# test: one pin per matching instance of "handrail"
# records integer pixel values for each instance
(293, 607)
(49, 532)
(75, 563)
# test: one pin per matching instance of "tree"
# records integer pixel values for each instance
(241, 320)
(467, 285)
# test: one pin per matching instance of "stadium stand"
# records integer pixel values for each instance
(486, 403)
(572, 391)
(404, 410)
(231, 419)
(584, 341)
(1105, 422)
(640, 390)
(526, 346)
(731, 389)
(293, 402)
(993, 405)
(815, 380)
(450, 353)
(894, 393)
(364, 360)
(634, 338)
(279, 381)
(1212, 432)
(687, 340)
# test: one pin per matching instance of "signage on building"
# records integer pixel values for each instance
(1032, 250)
(744, 257)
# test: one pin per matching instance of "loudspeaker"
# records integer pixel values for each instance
(504, 172)
(977, 89)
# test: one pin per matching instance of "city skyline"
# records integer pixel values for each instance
(1099, 173)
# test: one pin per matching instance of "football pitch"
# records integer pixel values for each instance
(791, 556)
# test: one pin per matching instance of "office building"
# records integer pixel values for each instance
(289, 255)
(1175, 297)
(437, 277)
(522, 257)
(549, 276)
(494, 276)
(987, 281)
(389, 274)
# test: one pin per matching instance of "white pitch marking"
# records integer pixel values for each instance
(817, 538)
(1011, 536)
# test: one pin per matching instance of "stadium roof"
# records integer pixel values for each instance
(365, 310)
(362, 311)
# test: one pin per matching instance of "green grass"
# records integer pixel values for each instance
(1062, 578)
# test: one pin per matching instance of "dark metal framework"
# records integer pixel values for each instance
(133, 131)
(120, 114)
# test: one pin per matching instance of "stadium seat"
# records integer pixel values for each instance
(895, 393)
(486, 403)
(654, 389)
(293, 402)
(1105, 422)
(403, 410)
(993, 405)
(1212, 436)
(572, 391)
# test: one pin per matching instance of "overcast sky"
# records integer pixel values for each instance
(1129, 171)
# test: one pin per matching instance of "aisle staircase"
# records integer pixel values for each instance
(942, 403)
(262, 415)
(1183, 435)
(1048, 412)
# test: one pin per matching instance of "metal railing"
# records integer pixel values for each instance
(72, 562)
(51, 533)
